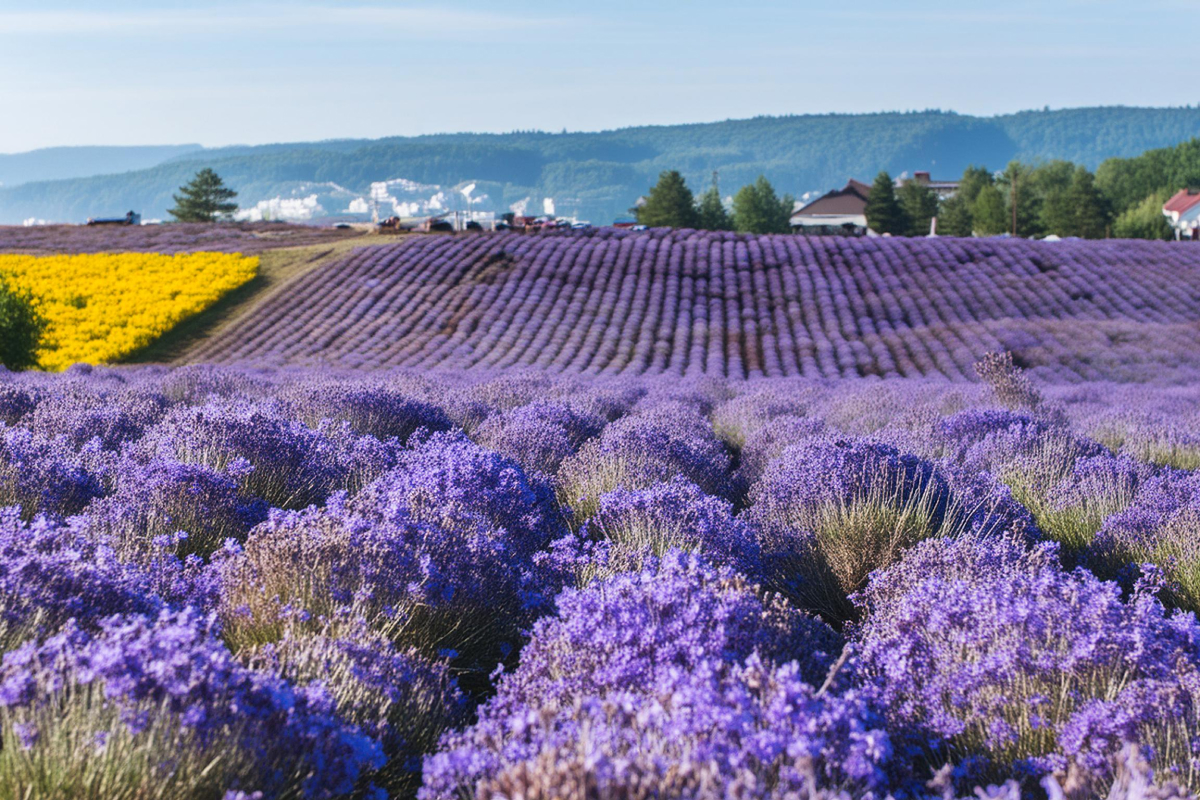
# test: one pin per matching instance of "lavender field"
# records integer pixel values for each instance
(178, 237)
(733, 305)
(232, 582)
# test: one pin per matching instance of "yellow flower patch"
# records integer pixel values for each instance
(104, 306)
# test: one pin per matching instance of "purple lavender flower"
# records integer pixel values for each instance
(539, 436)
(993, 651)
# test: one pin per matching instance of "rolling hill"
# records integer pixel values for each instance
(599, 175)
(734, 305)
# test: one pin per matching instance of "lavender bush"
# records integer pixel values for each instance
(243, 582)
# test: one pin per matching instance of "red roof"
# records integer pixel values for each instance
(1182, 201)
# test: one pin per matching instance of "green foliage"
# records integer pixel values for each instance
(919, 204)
(1145, 220)
(987, 212)
(1021, 187)
(712, 215)
(973, 180)
(669, 204)
(21, 327)
(1090, 207)
(205, 199)
(1128, 181)
(954, 216)
(884, 212)
(757, 209)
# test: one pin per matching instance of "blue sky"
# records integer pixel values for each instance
(125, 72)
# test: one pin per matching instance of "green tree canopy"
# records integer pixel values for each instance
(884, 212)
(919, 204)
(954, 216)
(757, 209)
(21, 328)
(988, 214)
(670, 204)
(712, 215)
(973, 179)
(1145, 220)
(205, 199)
(1090, 207)
(1020, 187)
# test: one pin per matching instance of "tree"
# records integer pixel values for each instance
(973, 179)
(987, 212)
(712, 215)
(205, 199)
(1145, 220)
(21, 328)
(954, 216)
(757, 209)
(1091, 208)
(919, 204)
(670, 204)
(884, 213)
(1020, 188)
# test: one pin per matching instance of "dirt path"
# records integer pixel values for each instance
(277, 268)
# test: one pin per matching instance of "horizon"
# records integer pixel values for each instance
(537, 131)
(267, 72)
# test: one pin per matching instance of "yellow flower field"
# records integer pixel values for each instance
(104, 306)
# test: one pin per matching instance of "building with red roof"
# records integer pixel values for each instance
(1183, 213)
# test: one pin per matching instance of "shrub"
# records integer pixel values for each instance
(21, 327)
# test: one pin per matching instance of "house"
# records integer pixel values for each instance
(1183, 213)
(842, 212)
(943, 189)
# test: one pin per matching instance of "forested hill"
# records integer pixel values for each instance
(598, 175)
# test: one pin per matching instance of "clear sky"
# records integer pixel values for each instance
(255, 71)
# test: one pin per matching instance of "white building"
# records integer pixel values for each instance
(1183, 213)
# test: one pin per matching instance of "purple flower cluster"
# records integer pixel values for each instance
(995, 653)
(256, 584)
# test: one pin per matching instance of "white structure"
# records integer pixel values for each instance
(1183, 213)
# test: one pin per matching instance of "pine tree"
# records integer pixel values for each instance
(670, 204)
(205, 199)
(884, 214)
(973, 179)
(757, 209)
(1091, 208)
(1021, 187)
(920, 206)
(712, 213)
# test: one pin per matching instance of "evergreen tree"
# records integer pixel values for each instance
(920, 205)
(1145, 220)
(205, 199)
(884, 213)
(21, 328)
(1090, 207)
(1058, 213)
(987, 212)
(712, 213)
(954, 216)
(757, 209)
(670, 204)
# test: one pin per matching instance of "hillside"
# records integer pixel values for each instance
(598, 175)
(56, 163)
(688, 303)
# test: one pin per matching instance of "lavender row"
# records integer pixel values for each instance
(702, 303)
(179, 237)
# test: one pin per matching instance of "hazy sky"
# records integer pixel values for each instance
(138, 72)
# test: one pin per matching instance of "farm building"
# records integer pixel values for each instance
(1183, 213)
(840, 212)
(943, 189)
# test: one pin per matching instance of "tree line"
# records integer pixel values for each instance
(756, 207)
(1123, 198)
